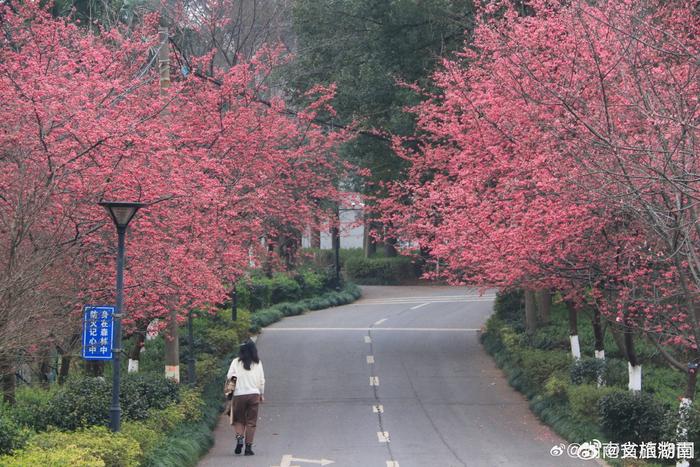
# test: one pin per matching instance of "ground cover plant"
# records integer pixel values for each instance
(567, 394)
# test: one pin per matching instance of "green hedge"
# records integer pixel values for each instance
(257, 291)
(114, 449)
(566, 396)
(265, 317)
(380, 270)
(12, 436)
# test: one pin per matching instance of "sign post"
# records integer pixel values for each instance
(98, 332)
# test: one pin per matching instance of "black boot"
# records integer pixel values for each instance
(248, 450)
(239, 444)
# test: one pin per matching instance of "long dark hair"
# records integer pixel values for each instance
(248, 354)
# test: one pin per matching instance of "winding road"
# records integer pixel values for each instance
(398, 378)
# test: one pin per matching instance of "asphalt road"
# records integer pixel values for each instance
(398, 378)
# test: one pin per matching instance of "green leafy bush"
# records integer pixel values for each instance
(114, 449)
(265, 317)
(32, 404)
(311, 282)
(586, 370)
(206, 367)
(147, 438)
(67, 456)
(374, 271)
(284, 289)
(222, 340)
(164, 420)
(584, 399)
(191, 404)
(550, 338)
(538, 365)
(260, 295)
(627, 416)
(12, 436)
(510, 305)
(556, 386)
(82, 401)
(143, 391)
(692, 424)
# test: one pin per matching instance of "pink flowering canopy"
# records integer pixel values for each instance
(86, 120)
(560, 150)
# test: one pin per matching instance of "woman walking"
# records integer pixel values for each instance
(249, 393)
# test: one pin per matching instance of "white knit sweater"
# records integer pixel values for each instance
(248, 381)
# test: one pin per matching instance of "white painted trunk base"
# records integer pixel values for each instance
(133, 366)
(682, 428)
(600, 355)
(575, 347)
(173, 372)
(635, 377)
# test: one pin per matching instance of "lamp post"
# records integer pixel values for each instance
(121, 213)
(234, 303)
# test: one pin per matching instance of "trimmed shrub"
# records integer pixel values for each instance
(164, 420)
(379, 271)
(146, 437)
(539, 365)
(183, 448)
(114, 449)
(584, 399)
(312, 283)
(32, 406)
(221, 340)
(284, 289)
(68, 456)
(556, 387)
(586, 370)
(143, 391)
(550, 338)
(264, 318)
(191, 404)
(510, 305)
(11, 435)
(206, 368)
(626, 416)
(82, 401)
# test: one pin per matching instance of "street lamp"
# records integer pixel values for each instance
(121, 213)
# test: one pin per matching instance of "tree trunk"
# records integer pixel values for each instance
(315, 240)
(634, 367)
(7, 379)
(368, 241)
(135, 354)
(172, 348)
(684, 410)
(267, 266)
(530, 313)
(598, 335)
(64, 368)
(544, 305)
(390, 248)
(599, 344)
(573, 329)
(44, 370)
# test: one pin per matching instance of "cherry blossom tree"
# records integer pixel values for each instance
(87, 120)
(560, 152)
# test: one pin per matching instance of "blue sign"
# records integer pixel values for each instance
(98, 332)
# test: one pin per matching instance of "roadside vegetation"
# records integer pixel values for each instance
(586, 398)
(163, 423)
